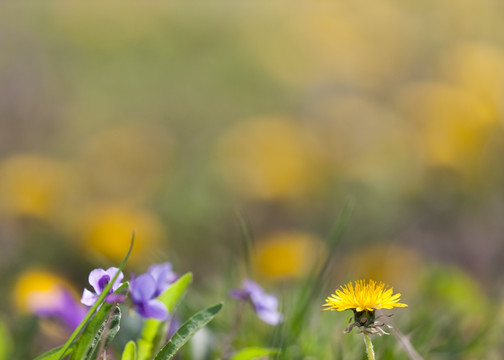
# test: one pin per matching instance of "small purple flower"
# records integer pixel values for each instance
(143, 294)
(63, 306)
(163, 276)
(99, 279)
(265, 305)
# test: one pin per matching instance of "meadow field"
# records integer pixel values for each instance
(264, 156)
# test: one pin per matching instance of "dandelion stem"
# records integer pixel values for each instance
(369, 347)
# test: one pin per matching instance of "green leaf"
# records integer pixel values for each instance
(251, 353)
(101, 299)
(129, 352)
(171, 296)
(154, 331)
(187, 331)
(104, 324)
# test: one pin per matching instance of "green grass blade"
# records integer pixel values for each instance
(313, 285)
(247, 240)
(154, 331)
(101, 299)
(105, 324)
(186, 331)
(130, 351)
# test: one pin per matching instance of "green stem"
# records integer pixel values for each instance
(369, 347)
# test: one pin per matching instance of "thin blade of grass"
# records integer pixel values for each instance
(100, 300)
(313, 284)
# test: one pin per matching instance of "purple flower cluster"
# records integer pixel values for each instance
(143, 289)
(265, 305)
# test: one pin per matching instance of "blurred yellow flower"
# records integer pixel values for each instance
(286, 255)
(320, 41)
(479, 69)
(366, 141)
(38, 288)
(396, 264)
(453, 124)
(107, 229)
(269, 157)
(32, 185)
(364, 296)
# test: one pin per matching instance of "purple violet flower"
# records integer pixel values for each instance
(99, 279)
(163, 276)
(143, 294)
(63, 306)
(265, 305)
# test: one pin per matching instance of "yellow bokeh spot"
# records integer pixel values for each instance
(38, 288)
(269, 157)
(395, 264)
(108, 229)
(32, 185)
(478, 68)
(316, 42)
(286, 255)
(453, 124)
(367, 141)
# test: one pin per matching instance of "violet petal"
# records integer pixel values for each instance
(111, 272)
(143, 288)
(88, 298)
(95, 278)
(155, 309)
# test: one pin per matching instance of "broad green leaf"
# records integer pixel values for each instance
(99, 332)
(251, 353)
(154, 331)
(129, 352)
(187, 331)
(101, 299)
(171, 296)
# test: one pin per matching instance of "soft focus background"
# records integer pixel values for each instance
(181, 121)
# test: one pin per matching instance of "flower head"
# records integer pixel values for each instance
(99, 279)
(143, 293)
(363, 296)
(163, 276)
(265, 305)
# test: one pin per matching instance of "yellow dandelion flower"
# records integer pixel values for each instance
(363, 297)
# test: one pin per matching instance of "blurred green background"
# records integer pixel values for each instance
(171, 118)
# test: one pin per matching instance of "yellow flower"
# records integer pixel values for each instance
(107, 229)
(363, 297)
(32, 185)
(37, 288)
(270, 157)
(287, 255)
